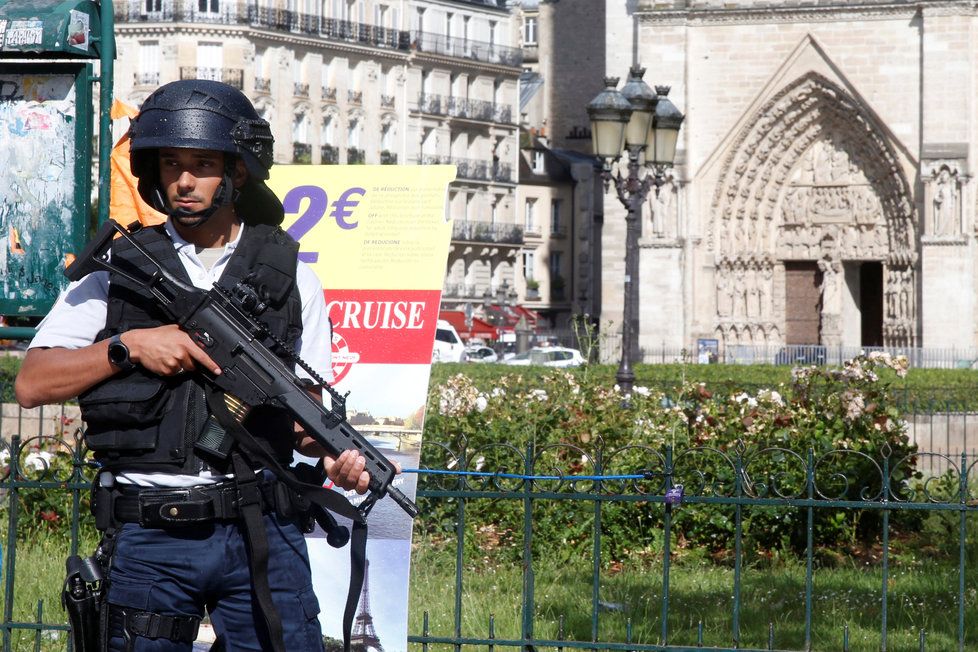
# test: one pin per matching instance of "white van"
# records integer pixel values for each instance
(448, 345)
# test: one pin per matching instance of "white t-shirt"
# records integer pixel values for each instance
(80, 313)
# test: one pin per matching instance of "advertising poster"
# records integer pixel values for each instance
(38, 172)
(378, 237)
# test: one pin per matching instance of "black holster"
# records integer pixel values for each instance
(82, 597)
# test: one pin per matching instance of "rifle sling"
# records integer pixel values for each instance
(326, 498)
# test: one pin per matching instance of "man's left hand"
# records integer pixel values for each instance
(347, 471)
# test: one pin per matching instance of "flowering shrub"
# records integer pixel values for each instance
(45, 505)
(758, 444)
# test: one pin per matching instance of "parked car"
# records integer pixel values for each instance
(448, 345)
(481, 353)
(548, 356)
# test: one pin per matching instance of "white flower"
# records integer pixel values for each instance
(771, 395)
(497, 392)
(539, 394)
(641, 391)
(854, 404)
(39, 461)
(481, 403)
(744, 397)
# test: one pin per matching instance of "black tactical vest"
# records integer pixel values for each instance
(139, 421)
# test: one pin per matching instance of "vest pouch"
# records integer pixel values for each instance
(125, 403)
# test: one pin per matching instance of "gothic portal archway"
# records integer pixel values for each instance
(811, 180)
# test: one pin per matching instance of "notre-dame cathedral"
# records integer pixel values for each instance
(822, 193)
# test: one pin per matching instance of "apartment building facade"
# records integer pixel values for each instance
(364, 81)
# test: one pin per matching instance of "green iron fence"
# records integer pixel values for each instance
(44, 458)
(733, 482)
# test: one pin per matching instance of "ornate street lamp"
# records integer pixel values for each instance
(645, 124)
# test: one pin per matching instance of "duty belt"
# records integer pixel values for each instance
(176, 507)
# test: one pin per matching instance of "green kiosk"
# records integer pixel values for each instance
(47, 130)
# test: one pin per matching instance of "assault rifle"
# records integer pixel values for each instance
(223, 322)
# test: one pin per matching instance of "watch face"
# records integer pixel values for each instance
(118, 353)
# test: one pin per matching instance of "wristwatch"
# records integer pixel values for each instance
(119, 354)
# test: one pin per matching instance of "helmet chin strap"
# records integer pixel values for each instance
(224, 196)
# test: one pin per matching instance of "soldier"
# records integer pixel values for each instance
(201, 154)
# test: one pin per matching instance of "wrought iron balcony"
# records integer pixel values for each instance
(354, 97)
(481, 231)
(300, 90)
(330, 154)
(355, 155)
(230, 76)
(263, 84)
(329, 93)
(146, 79)
(171, 11)
(301, 153)
(388, 158)
(472, 169)
(381, 37)
(432, 104)
(460, 107)
(461, 291)
(466, 49)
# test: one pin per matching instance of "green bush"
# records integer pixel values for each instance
(578, 424)
(45, 501)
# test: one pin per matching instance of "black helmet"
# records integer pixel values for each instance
(211, 115)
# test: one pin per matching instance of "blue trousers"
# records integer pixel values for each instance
(180, 572)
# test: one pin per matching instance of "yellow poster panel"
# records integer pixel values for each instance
(368, 226)
(377, 237)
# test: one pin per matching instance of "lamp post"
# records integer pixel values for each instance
(645, 123)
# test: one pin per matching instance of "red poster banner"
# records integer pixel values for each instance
(381, 326)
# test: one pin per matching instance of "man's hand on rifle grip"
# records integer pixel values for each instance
(167, 350)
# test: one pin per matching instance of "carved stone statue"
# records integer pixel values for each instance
(945, 203)
(829, 288)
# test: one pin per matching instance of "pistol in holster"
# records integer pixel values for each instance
(82, 597)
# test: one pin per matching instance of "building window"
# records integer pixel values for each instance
(528, 269)
(555, 264)
(209, 6)
(259, 62)
(154, 6)
(210, 61)
(555, 216)
(387, 138)
(449, 19)
(529, 215)
(300, 128)
(328, 134)
(494, 213)
(149, 63)
(539, 162)
(492, 32)
(297, 71)
(353, 134)
(530, 30)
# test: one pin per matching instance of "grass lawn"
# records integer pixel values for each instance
(701, 594)
(922, 595)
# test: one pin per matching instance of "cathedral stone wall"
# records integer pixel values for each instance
(834, 138)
